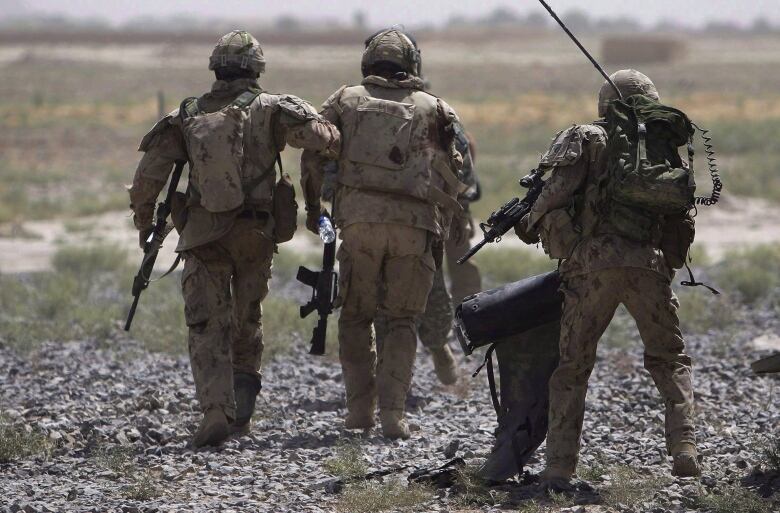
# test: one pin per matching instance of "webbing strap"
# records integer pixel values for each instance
(641, 150)
(691, 282)
(488, 361)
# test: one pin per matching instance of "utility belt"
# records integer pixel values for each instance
(253, 213)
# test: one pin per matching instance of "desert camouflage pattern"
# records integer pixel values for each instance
(604, 271)
(392, 45)
(272, 122)
(223, 284)
(228, 255)
(386, 270)
(577, 173)
(238, 49)
(401, 166)
(465, 278)
(590, 302)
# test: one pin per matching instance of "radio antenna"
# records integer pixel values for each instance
(582, 48)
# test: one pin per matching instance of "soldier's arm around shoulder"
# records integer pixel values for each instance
(568, 161)
(313, 162)
(305, 128)
(163, 145)
(449, 124)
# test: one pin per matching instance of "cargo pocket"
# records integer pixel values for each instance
(408, 284)
(345, 275)
(194, 286)
(382, 133)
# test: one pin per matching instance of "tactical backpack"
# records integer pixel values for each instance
(215, 143)
(647, 177)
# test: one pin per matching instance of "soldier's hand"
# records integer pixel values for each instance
(313, 220)
(522, 231)
(143, 236)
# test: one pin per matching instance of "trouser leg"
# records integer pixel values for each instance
(650, 300)
(465, 278)
(360, 260)
(207, 309)
(406, 280)
(435, 323)
(590, 302)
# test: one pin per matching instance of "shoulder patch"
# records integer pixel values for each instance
(157, 128)
(566, 148)
(297, 108)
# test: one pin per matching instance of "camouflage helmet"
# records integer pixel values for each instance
(629, 82)
(238, 49)
(392, 45)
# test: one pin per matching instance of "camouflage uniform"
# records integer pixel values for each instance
(227, 255)
(602, 271)
(435, 324)
(396, 181)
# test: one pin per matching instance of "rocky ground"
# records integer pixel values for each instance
(117, 419)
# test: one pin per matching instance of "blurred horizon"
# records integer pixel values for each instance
(307, 15)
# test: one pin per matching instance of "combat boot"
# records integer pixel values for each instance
(394, 424)
(556, 480)
(359, 420)
(213, 429)
(686, 462)
(245, 388)
(444, 364)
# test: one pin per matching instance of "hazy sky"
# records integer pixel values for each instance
(383, 12)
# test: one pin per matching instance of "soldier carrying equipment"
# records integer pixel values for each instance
(153, 244)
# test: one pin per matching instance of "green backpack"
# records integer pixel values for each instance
(647, 177)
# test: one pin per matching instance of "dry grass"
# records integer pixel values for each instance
(348, 463)
(393, 495)
(628, 487)
(733, 499)
(17, 443)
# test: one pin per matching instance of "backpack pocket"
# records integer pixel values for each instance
(215, 146)
(677, 236)
(382, 133)
(285, 210)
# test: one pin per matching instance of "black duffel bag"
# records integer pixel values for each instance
(514, 308)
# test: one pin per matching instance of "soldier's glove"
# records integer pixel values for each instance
(522, 231)
(313, 219)
(143, 235)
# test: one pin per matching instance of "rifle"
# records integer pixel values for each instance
(325, 289)
(510, 213)
(153, 244)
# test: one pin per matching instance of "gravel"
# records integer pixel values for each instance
(118, 420)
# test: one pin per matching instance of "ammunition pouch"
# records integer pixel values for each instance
(285, 210)
(677, 235)
(179, 210)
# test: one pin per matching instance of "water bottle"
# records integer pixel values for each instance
(327, 233)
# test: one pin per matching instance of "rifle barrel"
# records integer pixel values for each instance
(131, 313)
(470, 253)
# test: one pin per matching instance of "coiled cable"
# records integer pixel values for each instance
(712, 164)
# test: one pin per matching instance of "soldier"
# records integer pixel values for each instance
(435, 324)
(601, 268)
(231, 137)
(396, 187)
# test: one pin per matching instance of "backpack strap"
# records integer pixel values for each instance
(246, 98)
(189, 108)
